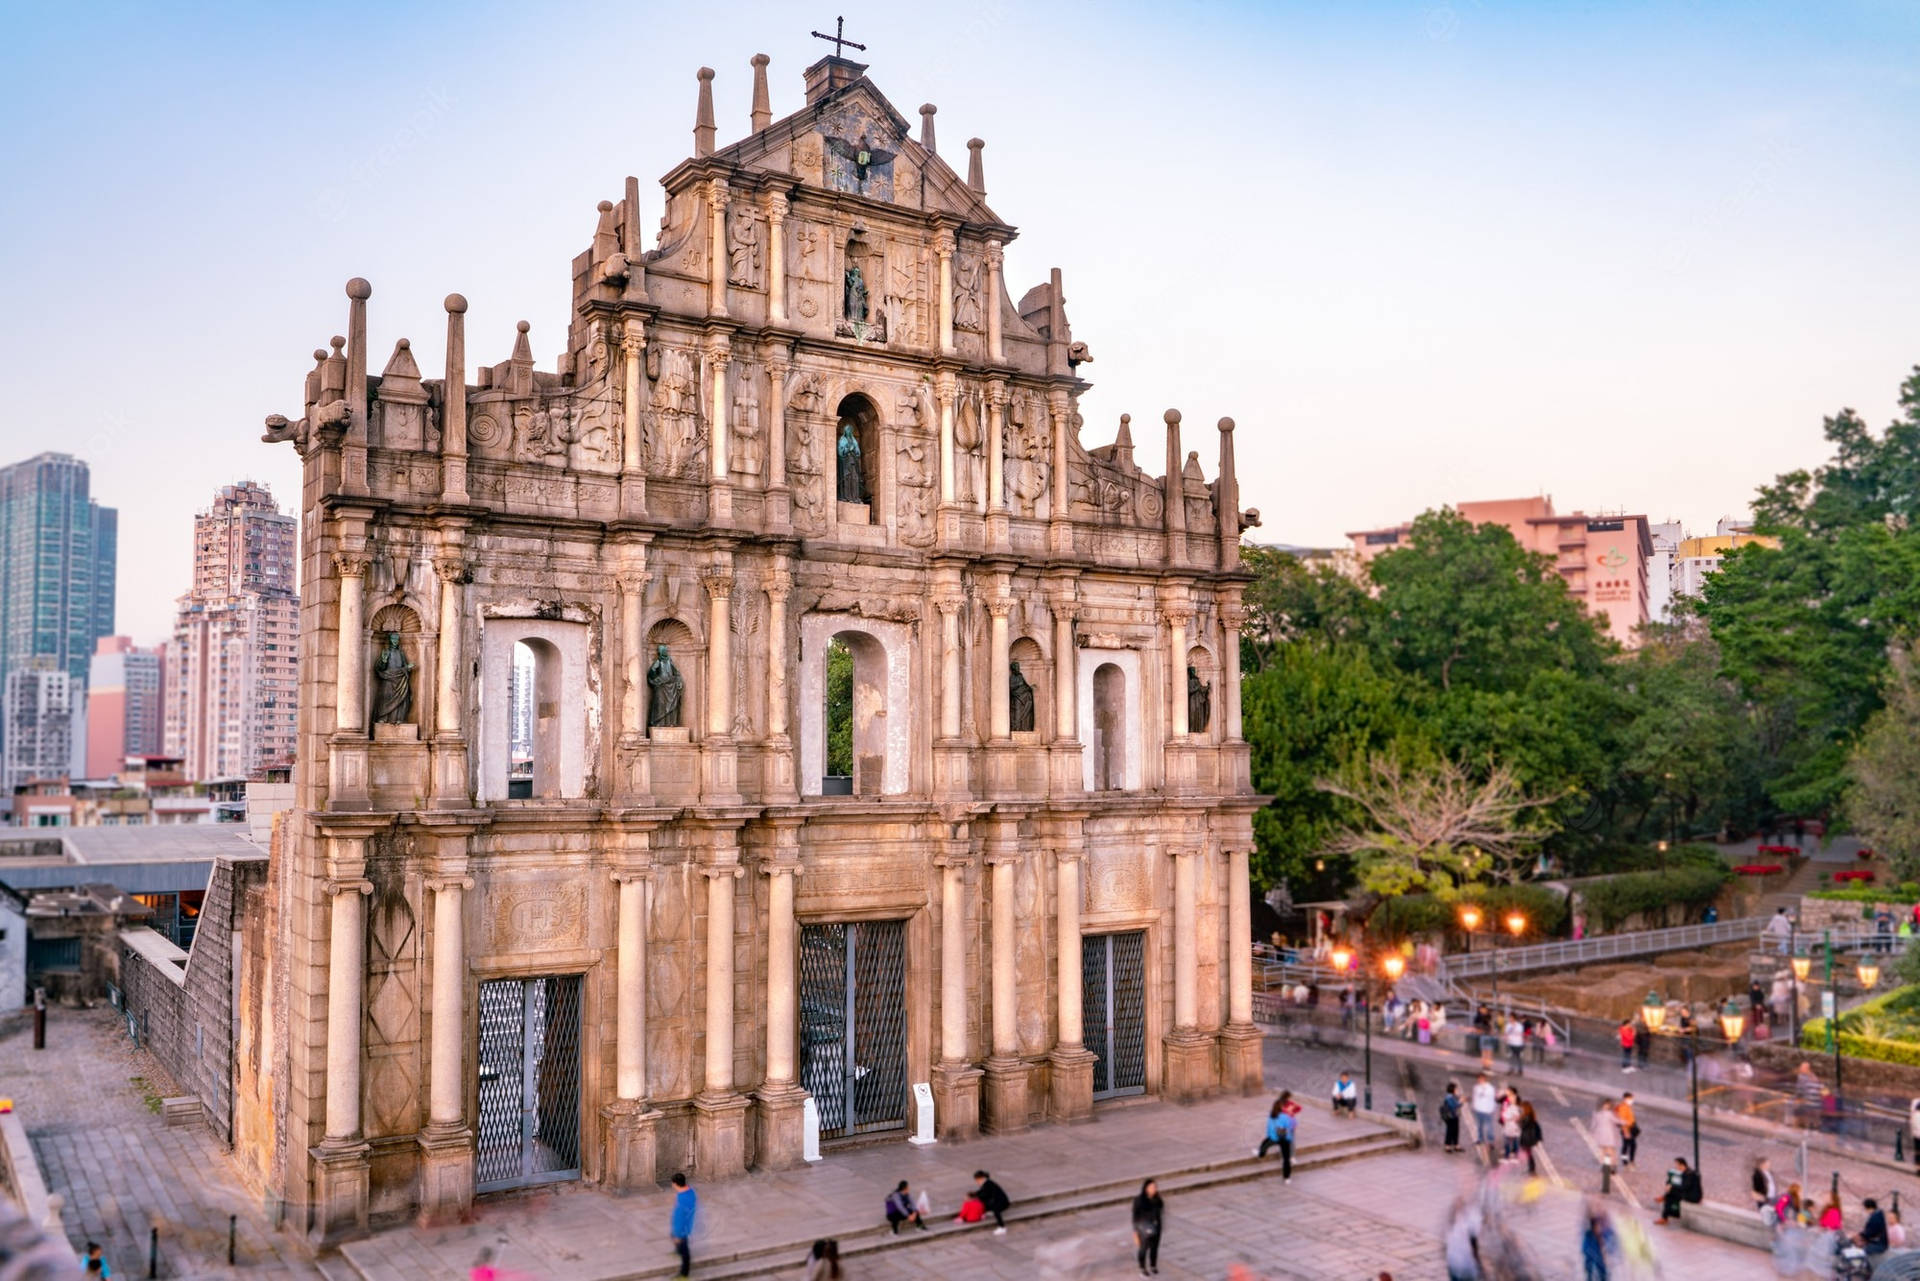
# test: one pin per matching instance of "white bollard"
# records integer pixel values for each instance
(809, 1130)
(923, 1114)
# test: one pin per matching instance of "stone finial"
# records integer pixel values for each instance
(522, 349)
(926, 126)
(1175, 509)
(703, 116)
(358, 291)
(762, 105)
(456, 305)
(1058, 338)
(1123, 442)
(453, 397)
(606, 233)
(1226, 500)
(630, 218)
(400, 380)
(976, 172)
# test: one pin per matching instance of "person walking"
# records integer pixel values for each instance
(1148, 1216)
(995, 1200)
(1605, 1131)
(1642, 1041)
(823, 1262)
(1485, 1102)
(1596, 1242)
(1780, 929)
(1516, 1036)
(901, 1208)
(1832, 1217)
(1450, 1109)
(1529, 1135)
(1509, 1125)
(686, 1203)
(1483, 1036)
(1762, 1190)
(1626, 1045)
(1282, 1123)
(94, 1262)
(1629, 1129)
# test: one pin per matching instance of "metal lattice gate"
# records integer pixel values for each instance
(529, 1064)
(853, 1025)
(1113, 978)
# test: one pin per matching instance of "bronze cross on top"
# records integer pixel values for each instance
(839, 37)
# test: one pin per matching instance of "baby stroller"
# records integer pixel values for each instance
(1851, 1263)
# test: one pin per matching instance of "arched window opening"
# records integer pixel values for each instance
(533, 721)
(838, 778)
(854, 726)
(520, 723)
(1109, 728)
(856, 454)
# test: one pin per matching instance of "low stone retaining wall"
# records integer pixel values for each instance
(20, 1177)
(1871, 1074)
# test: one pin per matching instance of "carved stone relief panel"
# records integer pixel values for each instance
(526, 914)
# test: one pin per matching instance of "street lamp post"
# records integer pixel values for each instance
(1732, 1023)
(1799, 965)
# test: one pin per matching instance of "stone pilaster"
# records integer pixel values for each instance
(341, 1175)
(956, 1081)
(630, 1158)
(1189, 1051)
(780, 1101)
(633, 462)
(720, 1112)
(1241, 1066)
(998, 527)
(776, 260)
(719, 449)
(1006, 1074)
(1072, 1063)
(446, 1145)
(717, 200)
(779, 499)
(1059, 519)
(943, 247)
(450, 786)
(991, 303)
(719, 755)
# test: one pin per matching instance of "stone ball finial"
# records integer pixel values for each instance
(975, 144)
(1126, 418)
(523, 326)
(336, 342)
(759, 60)
(456, 304)
(1173, 417)
(359, 290)
(319, 353)
(405, 344)
(1226, 424)
(705, 73)
(605, 206)
(927, 109)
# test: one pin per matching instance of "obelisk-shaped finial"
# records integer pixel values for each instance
(703, 116)
(762, 105)
(926, 126)
(453, 407)
(1173, 495)
(976, 172)
(1226, 498)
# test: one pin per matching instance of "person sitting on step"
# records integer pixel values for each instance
(1346, 1095)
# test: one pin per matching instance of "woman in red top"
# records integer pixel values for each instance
(1626, 1045)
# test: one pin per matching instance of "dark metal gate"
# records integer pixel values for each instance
(1113, 1005)
(853, 1025)
(529, 1064)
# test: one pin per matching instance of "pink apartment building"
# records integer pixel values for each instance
(1603, 558)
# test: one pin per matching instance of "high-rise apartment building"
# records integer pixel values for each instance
(39, 705)
(57, 555)
(126, 705)
(230, 666)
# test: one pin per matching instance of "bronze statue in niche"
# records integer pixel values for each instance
(393, 678)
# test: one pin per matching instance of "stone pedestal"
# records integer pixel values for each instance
(1189, 1066)
(450, 775)
(446, 1175)
(778, 505)
(719, 772)
(1241, 1068)
(1182, 769)
(1006, 1097)
(632, 775)
(780, 1137)
(347, 773)
(631, 1162)
(1066, 772)
(956, 1101)
(720, 1135)
(340, 1192)
(1070, 1097)
(633, 496)
(952, 771)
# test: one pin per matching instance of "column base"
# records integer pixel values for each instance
(956, 1101)
(1190, 1071)
(720, 1135)
(1070, 1097)
(450, 774)
(631, 1160)
(1242, 1069)
(1182, 768)
(340, 1191)
(781, 1140)
(1006, 1097)
(446, 1175)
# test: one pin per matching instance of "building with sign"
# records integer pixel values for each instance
(882, 732)
(1602, 557)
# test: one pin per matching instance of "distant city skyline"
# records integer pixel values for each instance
(1629, 256)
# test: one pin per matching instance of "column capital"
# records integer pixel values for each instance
(947, 602)
(452, 570)
(633, 580)
(944, 243)
(439, 883)
(778, 592)
(1182, 851)
(717, 193)
(999, 606)
(1057, 401)
(623, 875)
(776, 208)
(995, 858)
(788, 865)
(945, 386)
(779, 358)
(1174, 615)
(348, 886)
(995, 253)
(633, 337)
(997, 394)
(350, 564)
(718, 582)
(1232, 615)
(719, 350)
(722, 871)
(1069, 854)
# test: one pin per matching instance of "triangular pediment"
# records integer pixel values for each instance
(853, 140)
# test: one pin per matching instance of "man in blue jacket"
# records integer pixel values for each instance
(685, 1202)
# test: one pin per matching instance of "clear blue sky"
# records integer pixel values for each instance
(1625, 253)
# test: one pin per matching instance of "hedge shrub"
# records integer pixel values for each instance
(1863, 1029)
(1906, 892)
(1410, 914)
(1615, 899)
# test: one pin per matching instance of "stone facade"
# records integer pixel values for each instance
(678, 486)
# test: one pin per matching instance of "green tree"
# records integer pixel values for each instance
(839, 709)
(1290, 601)
(1883, 796)
(1689, 758)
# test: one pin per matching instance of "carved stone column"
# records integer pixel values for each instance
(717, 201)
(943, 391)
(1072, 1074)
(633, 658)
(633, 463)
(943, 246)
(991, 303)
(1059, 521)
(446, 1145)
(720, 486)
(1006, 1074)
(349, 691)
(1241, 1069)
(780, 1099)
(956, 1081)
(719, 1117)
(997, 464)
(779, 493)
(1189, 1052)
(778, 774)
(720, 784)
(453, 413)
(998, 715)
(949, 606)
(1066, 772)
(341, 1176)
(632, 1151)
(450, 789)
(1232, 618)
(776, 260)
(1176, 673)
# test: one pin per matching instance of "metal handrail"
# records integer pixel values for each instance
(1600, 947)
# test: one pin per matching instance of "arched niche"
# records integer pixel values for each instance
(1201, 660)
(560, 713)
(1038, 673)
(398, 620)
(1110, 719)
(880, 704)
(686, 655)
(858, 409)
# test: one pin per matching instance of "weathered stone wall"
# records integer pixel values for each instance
(187, 1011)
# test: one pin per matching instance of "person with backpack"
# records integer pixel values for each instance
(1282, 1124)
(686, 1202)
(1683, 1184)
(1629, 1130)
(902, 1208)
(1450, 1109)
(1529, 1135)
(1148, 1216)
(993, 1199)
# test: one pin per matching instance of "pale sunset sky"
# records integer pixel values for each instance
(1627, 254)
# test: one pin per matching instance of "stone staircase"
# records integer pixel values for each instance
(1367, 1140)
